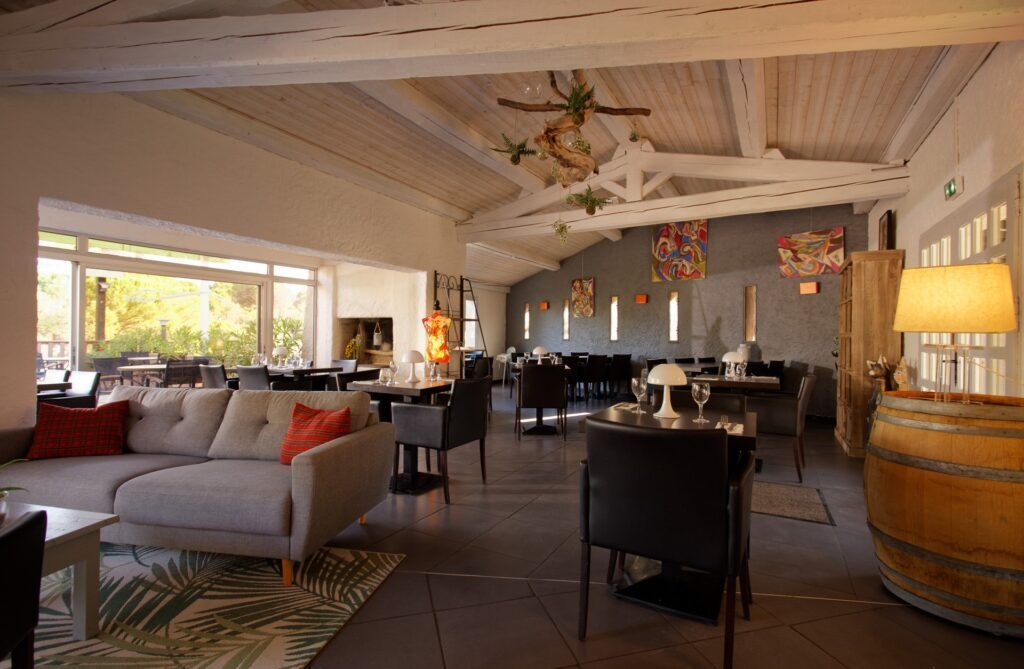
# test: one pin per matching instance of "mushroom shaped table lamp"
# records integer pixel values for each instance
(279, 354)
(666, 375)
(731, 359)
(412, 357)
(539, 351)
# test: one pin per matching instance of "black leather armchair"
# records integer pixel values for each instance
(542, 387)
(21, 566)
(642, 494)
(786, 415)
(253, 377)
(443, 427)
(85, 388)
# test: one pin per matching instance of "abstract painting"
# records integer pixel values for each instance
(679, 251)
(811, 253)
(583, 298)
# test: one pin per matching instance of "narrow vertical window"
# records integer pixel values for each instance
(965, 241)
(998, 224)
(471, 324)
(750, 313)
(945, 251)
(526, 321)
(673, 316)
(565, 320)
(980, 232)
(614, 312)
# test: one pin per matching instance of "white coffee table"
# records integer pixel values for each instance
(73, 540)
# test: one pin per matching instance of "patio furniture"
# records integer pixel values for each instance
(176, 373)
(109, 376)
(253, 377)
(82, 394)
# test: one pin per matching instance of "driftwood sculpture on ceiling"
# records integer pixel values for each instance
(574, 162)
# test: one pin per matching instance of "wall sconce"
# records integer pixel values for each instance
(640, 298)
(810, 288)
(544, 305)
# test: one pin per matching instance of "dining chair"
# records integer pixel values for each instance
(253, 377)
(107, 368)
(85, 388)
(483, 369)
(542, 387)
(443, 427)
(505, 360)
(621, 370)
(576, 365)
(709, 360)
(580, 354)
(685, 361)
(719, 401)
(297, 383)
(178, 373)
(785, 415)
(21, 565)
(345, 366)
(56, 375)
(667, 496)
(214, 376)
(654, 362)
(595, 376)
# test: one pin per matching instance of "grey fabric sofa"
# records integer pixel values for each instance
(200, 471)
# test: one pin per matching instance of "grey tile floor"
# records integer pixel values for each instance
(490, 580)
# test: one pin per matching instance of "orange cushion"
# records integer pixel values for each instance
(65, 433)
(311, 427)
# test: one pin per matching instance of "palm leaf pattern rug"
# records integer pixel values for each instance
(172, 608)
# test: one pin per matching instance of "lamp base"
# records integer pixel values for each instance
(666, 410)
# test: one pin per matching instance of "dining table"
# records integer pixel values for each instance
(410, 480)
(664, 585)
(720, 382)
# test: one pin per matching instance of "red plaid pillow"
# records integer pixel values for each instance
(311, 427)
(67, 433)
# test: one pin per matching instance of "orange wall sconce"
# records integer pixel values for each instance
(545, 305)
(640, 298)
(810, 288)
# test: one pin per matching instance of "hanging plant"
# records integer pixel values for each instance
(587, 200)
(515, 151)
(581, 144)
(634, 136)
(562, 231)
(579, 101)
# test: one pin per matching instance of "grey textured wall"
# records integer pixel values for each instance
(742, 251)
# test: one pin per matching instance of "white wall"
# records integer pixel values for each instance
(110, 152)
(371, 292)
(490, 308)
(991, 142)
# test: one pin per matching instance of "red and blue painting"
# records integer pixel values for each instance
(679, 251)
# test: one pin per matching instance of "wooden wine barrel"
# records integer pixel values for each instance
(944, 484)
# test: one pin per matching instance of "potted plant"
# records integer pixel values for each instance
(4, 491)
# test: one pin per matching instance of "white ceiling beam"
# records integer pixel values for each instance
(78, 13)
(745, 79)
(864, 207)
(549, 264)
(611, 233)
(407, 101)
(784, 196)
(552, 195)
(655, 182)
(615, 189)
(481, 37)
(202, 111)
(733, 168)
(947, 78)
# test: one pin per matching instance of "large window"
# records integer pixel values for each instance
(100, 298)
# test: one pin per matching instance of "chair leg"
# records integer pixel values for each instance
(519, 424)
(442, 464)
(796, 459)
(584, 589)
(394, 472)
(748, 598)
(483, 460)
(613, 556)
(23, 655)
(803, 460)
(427, 455)
(287, 572)
(730, 621)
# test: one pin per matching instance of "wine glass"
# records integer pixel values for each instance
(393, 366)
(385, 376)
(639, 387)
(701, 392)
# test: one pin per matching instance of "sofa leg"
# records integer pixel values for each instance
(362, 519)
(287, 572)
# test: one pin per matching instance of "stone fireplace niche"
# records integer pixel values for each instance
(368, 353)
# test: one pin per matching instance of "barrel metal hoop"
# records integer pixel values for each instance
(989, 571)
(949, 427)
(954, 409)
(949, 468)
(992, 626)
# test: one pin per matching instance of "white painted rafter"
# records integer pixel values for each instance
(514, 254)
(745, 85)
(480, 37)
(782, 196)
(733, 168)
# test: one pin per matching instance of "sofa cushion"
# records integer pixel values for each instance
(68, 432)
(311, 427)
(256, 420)
(229, 495)
(177, 421)
(87, 483)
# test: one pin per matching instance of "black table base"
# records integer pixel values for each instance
(539, 427)
(681, 592)
(416, 484)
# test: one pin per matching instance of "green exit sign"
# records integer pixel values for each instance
(953, 188)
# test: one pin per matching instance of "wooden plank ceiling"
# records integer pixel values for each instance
(844, 106)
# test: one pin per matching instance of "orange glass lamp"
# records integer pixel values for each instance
(436, 325)
(956, 299)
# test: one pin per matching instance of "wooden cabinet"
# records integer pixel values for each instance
(869, 283)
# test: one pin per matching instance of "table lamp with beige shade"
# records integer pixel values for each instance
(955, 299)
(666, 375)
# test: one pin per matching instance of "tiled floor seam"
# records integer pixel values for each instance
(437, 626)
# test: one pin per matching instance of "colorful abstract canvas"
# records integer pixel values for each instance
(679, 251)
(583, 298)
(811, 253)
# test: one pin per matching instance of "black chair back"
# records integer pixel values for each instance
(56, 375)
(580, 354)
(134, 354)
(542, 387)
(757, 368)
(253, 377)
(654, 362)
(622, 366)
(214, 376)
(709, 359)
(107, 366)
(803, 399)
(84, 383)
(467, 410)
(718, 401)
(345, 366)
(776, 368)
(596, 369)
(300, 383)
(482, 367)
(686, 361)
(658, 493)
(21, 567)
(181, 373)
